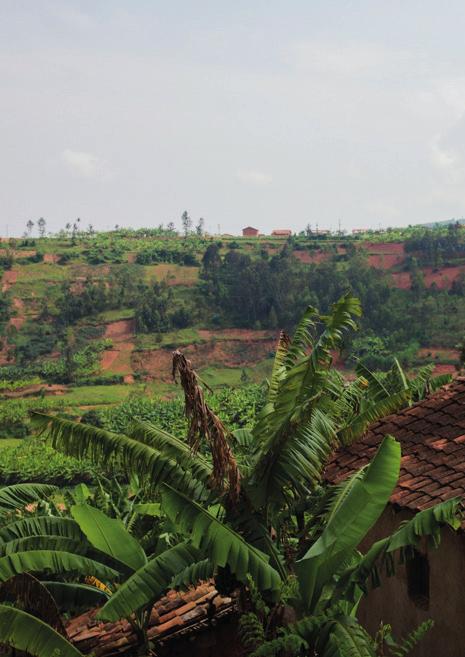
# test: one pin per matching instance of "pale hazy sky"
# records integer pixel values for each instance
(259, 112)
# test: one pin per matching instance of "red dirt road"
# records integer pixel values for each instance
(120, 331)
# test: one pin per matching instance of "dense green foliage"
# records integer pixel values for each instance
(437, 248)
(236, 408)
(242, 283)
(221, 493)
(34, 461)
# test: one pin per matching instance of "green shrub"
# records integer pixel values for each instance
(35, 461)
(103, 380)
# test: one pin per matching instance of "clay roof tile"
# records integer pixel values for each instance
(432, 435)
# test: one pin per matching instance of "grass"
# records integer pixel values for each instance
(36, 279)
(170, 340)
(10, 442)
(115, 315)
(97, 395)
(173, 274)
(41, 271)
(231, 376)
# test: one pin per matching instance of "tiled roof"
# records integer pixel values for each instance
(175, 615)
(432, 435)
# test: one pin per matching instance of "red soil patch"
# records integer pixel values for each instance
(19, 320)
(24, 254)
(438, 352)
(443, 278)
(131, 258)
(229, 353)
(385, 260)
(121, 331)
(6, 355)
(310, 257)
(9, 278)
(444, 369)
(108, 358)
(118, 360)
(402, 279)
(51, 258)
(384, 247)
(35, 389)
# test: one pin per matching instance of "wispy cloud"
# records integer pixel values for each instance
(71, 16)
(349, 58)
(254, 178)
(86, 165)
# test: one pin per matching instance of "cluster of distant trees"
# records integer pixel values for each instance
(435, 248)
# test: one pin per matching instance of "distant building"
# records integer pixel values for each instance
(250, 232)
(282, 233)
(322, 231)
(358, 231)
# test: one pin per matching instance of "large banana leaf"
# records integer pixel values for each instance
(41, 542)
(71, 597)
(295, 462)
(279, 367)
(285, 447)
(27, 633)
(350, 522)
(149, 582)
(172, 447)
(200, 571)
(223, 546)
(41, 525)
(345, 637)
(372, 411)
(18, 495)
(105, 449)
(58, 563)
(303, 337)
(109, 536)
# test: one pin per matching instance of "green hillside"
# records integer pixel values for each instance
(90, 319)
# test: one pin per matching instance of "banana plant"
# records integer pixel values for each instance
(89, 544)
(258, 518)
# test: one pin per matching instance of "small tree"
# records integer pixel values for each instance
(30, 226)
(42, 226)
(186, 223)
(199, 227)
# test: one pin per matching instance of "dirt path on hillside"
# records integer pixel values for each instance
(9, 278)
(121, 331)
(118, 360)
(35, 389)
(20, 318)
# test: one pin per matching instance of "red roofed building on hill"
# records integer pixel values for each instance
(431, 585)
(250, 232)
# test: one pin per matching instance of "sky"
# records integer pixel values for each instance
(275, 114)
